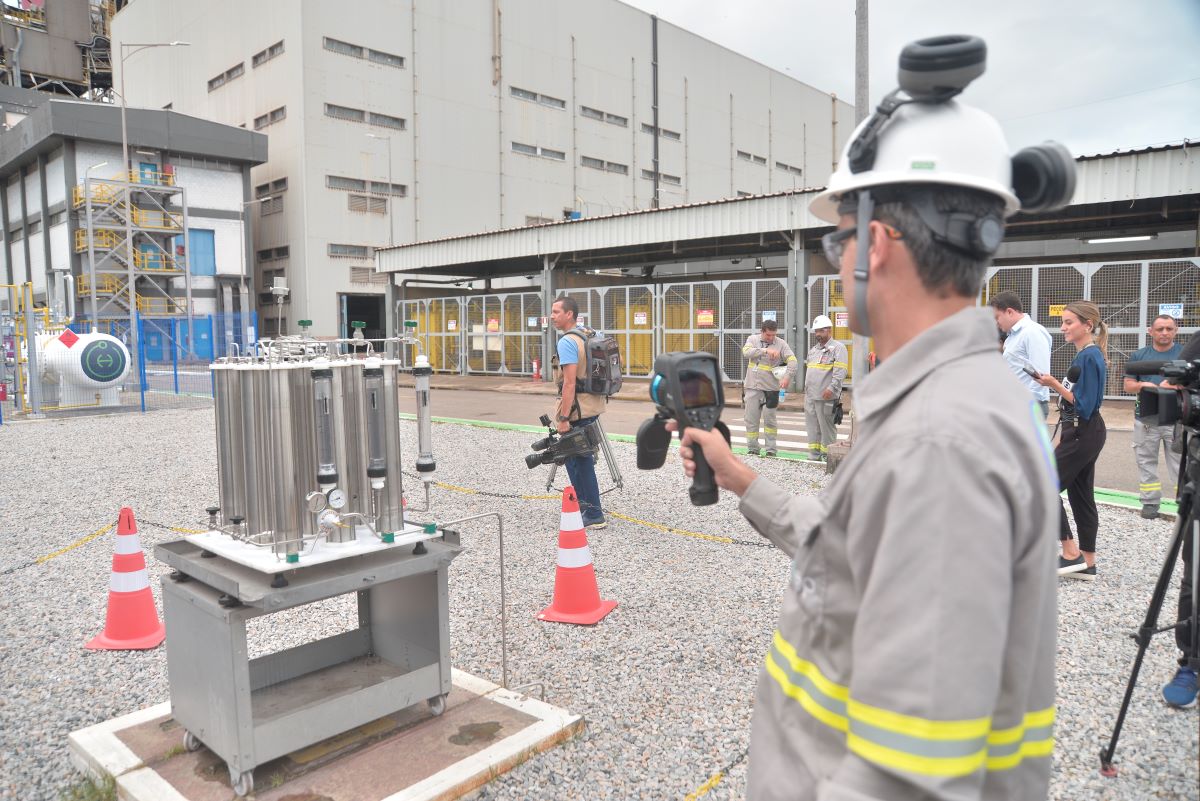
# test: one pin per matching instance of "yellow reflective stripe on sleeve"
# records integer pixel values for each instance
(905, 742)
(746, 350)
(791, 358)
(819, 366)
(842, 365)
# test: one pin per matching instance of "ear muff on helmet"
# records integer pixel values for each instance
(1043, 177)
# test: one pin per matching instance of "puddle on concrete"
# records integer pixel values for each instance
(476, 733)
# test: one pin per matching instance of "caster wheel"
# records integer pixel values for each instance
(244, 784)
(437, 705)
(191, 742)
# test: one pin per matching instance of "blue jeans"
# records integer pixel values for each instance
(582, 472)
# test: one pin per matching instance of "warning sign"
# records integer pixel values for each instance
(841, 319)
(639, 318)
(493, 326)
(1057, 310)
(704, 317)
(452, 325)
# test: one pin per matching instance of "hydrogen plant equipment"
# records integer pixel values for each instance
(311, 507)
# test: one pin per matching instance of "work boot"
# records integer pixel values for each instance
(1150, 511)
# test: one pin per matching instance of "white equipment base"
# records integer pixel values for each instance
(265, 560)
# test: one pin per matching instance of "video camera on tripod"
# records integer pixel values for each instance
(557, 448)
(1162, 406)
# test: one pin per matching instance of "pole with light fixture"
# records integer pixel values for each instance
(127, 50)
(87, 195)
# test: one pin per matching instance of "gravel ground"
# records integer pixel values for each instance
(666, 682)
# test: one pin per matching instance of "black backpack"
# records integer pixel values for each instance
(603, 365)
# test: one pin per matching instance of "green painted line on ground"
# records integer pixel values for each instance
(1127, 500)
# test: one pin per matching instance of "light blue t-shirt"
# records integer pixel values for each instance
(568, 349)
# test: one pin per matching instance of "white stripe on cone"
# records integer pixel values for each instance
(129, 582)
(128, 543)
(571, 521)
(574, 557)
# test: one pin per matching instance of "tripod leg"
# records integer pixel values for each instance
(606, 448)
(1149, 624)
(550, 479)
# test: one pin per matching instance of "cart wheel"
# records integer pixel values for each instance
(437, 705)
(244, 784)
(191, 742)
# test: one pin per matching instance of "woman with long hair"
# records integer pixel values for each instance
(1083, 434)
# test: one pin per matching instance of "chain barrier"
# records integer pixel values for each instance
(716, 778)
(648, 524)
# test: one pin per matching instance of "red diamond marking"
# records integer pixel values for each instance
(68, 338)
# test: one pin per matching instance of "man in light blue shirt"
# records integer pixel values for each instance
(1027, 345)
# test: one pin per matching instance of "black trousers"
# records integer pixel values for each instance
(1076, 454)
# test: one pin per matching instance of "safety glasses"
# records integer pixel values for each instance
(834, 244)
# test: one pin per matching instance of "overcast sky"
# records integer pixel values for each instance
(1097, 75)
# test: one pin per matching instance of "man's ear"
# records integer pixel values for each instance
(882, 247)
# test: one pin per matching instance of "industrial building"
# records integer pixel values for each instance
(102, 244)
(62, 47)
(395, 122)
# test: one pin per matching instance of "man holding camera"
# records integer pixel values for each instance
(1147, 440)
(824, 371)
(914, 656)
(576, 409)
(767, 353)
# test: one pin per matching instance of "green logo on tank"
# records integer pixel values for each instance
(102, 361)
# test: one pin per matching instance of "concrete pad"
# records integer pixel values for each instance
(408, 756)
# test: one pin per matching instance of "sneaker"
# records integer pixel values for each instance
(1181, 692)
(601, 523)
(1087, 574)
(771, 452)
(1150, 511)
(816, 457)
(752, 452)
(1068, 566)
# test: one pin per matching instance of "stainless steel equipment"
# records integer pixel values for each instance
(311, 507)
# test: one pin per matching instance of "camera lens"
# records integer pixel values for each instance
(1043, 177)
(542, 444)
(533, 460)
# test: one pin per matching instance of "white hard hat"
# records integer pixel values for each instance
(821, 321)
(933, 143)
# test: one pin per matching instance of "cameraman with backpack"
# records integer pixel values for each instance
(576, 409)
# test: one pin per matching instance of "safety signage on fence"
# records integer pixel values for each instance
(1057, 309)
(704, 317)
(769, 315)
(532, 322)
(493, 326)
(841, 319)
(1173, 309)
(639, 318)
(452, 325)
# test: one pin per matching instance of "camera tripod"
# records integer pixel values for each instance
(1186, 540)
(605, 448)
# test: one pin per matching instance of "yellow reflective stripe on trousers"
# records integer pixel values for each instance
(819, 366)
(765, 367)
(904, 742)
(1145, 487)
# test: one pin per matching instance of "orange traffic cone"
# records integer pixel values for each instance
(132, 622)
(576, 596)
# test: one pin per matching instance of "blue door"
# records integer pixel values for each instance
(202, 252)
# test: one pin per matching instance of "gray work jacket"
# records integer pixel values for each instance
(825, 368)
(763, 358)
(914, 657)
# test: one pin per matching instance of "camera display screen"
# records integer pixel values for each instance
(698, 388)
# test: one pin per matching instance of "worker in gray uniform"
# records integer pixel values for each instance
(915, 652)
(824, 371)
(1147, 440)
(767, 355)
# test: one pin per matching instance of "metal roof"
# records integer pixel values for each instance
(1122, 176)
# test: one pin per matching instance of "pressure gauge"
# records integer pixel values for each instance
(316, 501)
(337, 499)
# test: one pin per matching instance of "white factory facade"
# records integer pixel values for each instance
(395, 122)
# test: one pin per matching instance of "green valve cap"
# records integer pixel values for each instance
(410, 323)
(357, 324)
(431, 528)
(293, 558)
(389, 536)
(304, 323)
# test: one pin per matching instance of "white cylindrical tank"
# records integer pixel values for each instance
(85, 367)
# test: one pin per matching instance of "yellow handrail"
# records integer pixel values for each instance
(106, 283)
(160, 220)
(147, 304)
(102, 239)
(150, 178)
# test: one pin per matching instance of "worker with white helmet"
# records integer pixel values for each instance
(770, 366)
(915, 652)
(824, 371)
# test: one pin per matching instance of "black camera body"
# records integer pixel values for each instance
(1164, 406)
(557, 448)
(686, 387)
